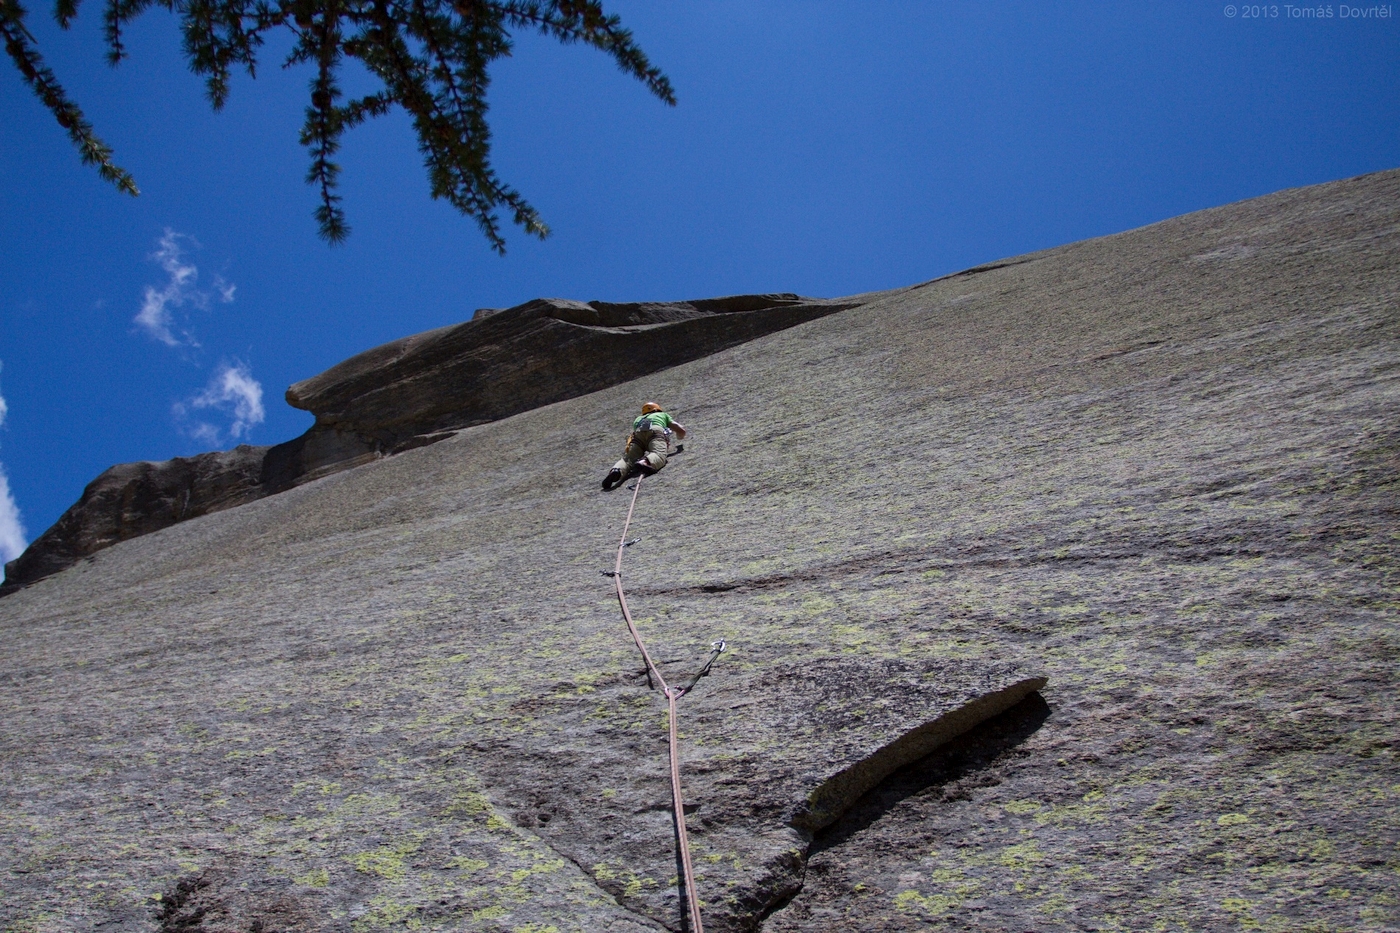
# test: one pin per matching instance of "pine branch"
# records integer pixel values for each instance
(218, 36)
(584, 21)
(361, 109)
(432, 56)
(117, 13)
(65, 11)
(324, 124)
(452, 175)
(19, 43)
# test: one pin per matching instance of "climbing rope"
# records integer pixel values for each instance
(672, 694)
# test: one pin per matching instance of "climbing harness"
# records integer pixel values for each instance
(672, 695)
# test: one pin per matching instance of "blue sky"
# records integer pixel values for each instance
(819, 147)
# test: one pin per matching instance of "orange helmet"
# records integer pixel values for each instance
(650, 407)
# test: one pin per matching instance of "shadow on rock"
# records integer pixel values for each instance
(944, 772)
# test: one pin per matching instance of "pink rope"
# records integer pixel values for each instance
(677, 805)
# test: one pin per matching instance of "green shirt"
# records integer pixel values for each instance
(653, 422)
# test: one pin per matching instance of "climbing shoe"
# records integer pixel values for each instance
(644, 468)
(612, 480)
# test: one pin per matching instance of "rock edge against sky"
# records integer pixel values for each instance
(410, 393)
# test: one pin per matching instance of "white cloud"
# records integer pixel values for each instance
(225, 289)
(157, 317)
(232, 392)
(12, 541)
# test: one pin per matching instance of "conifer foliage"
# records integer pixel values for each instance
(430, 56)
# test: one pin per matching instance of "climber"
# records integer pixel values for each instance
(647, 445)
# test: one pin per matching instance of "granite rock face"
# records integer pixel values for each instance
(132, 499)
(414, 392)
(1160, 470)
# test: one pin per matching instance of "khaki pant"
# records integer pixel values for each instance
(654, 450)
